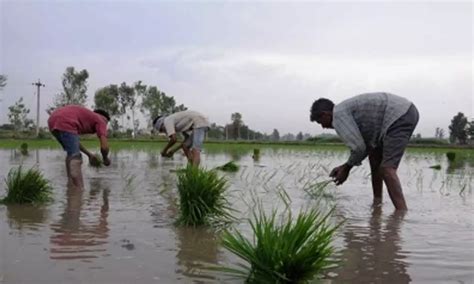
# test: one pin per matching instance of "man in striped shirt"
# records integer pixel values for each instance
(377, 125)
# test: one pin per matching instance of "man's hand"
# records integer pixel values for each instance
(340, 174)
(93, 160)
(106, 161)
(168, 154)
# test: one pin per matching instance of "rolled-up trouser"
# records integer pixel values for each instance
(196, 138)
(397, 137)
(69, 142)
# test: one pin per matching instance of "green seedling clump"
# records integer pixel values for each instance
(24, 149)
(282, 251)
(96, 163)
(201, 197)
(229, 167)
(256, 154)
(27, 187)
(451, 156)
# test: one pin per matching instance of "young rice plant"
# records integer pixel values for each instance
(201, 197)
(27, 187)
(282, 252)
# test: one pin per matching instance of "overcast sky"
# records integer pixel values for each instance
(267, 60)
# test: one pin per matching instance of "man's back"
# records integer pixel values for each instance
(372, 113)
(77, 120)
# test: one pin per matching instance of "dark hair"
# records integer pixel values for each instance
(319, 106)
(156, 119)
(103, 113)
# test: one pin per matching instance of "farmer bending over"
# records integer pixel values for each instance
(378, 125)
(66, 124)
(192, 125)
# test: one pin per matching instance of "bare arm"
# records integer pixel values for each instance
(104, 149)
(171, 142)
(84, 150)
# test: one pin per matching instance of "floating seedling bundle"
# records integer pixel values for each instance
(202, 198)
(27, 187)
(286, 251)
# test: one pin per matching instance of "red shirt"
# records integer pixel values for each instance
(78, 120)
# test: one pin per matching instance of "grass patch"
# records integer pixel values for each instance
(201, 197)
(229, 167)
(282, 252)
(27, 187)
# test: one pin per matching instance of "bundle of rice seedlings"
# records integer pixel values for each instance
(24, 149)
(451, 156)
(256, 154)
(229, 167)
(27, 187)
(201, 197)
(282, 252)
(96, 163)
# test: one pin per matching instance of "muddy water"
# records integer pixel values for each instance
(119, 229)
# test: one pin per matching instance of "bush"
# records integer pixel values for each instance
(201, 197)
(286, 252)
(27, 187)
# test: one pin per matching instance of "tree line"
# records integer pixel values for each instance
(123, 101)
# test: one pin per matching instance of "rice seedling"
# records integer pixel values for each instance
(283, 251)
(436, 167)
(27, 187)
(256, 154)
(451, 156)
(97, 162)
(24, 149)
(316, 190)
(229, 167)
(201, 197)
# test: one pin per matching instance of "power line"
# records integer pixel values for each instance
(38, 85)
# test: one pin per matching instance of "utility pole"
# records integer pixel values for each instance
(38, 85)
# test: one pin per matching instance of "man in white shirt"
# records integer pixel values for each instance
(192, 125)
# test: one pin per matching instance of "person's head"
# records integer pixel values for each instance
(103, 113)
(158, 123)
(321, 112)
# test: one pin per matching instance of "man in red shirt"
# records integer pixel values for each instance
(66, 124)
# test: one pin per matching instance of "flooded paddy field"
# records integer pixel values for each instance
(120, 228)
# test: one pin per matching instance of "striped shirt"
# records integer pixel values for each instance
(363, 120)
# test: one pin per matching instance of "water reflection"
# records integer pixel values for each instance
(373, 252)
(22, 216)
(197, 247)
(81, 233)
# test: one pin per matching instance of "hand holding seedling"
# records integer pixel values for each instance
(340, 174)
(106, 161)
(94, 160)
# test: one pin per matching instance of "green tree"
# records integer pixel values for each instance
(299, 136)
(74, 88)
(125, 95)
(18, 115)
(107, 98)
(275, 135)
(3, 81)
(237, 123)
(139, 92)
(470, 130)
(458, 129)
(156, 103)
